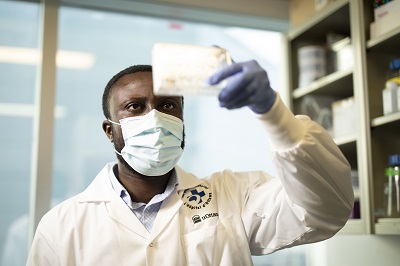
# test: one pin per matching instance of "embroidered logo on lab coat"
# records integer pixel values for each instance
(197, 197)
(197, 218)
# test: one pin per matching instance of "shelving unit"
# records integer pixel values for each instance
(377, 135)
(333, 83)
(384, 128)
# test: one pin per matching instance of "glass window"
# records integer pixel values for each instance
(18, 62)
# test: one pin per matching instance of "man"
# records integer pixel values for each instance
(145, 210)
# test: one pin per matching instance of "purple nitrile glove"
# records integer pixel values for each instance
(248, 85)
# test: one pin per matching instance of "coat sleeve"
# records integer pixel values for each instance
(311, 199)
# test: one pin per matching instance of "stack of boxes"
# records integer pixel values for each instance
(300, 10)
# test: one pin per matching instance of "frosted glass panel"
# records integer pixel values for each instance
(18, 35)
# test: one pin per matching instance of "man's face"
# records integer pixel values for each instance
(132, 95)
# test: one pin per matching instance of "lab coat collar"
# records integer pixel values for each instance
(100, 190)
(186, 180)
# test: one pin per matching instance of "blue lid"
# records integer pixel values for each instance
(394, 159)
(395, 64)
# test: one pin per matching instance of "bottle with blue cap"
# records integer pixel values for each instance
(392, 187)
(394, 71)
(391, 93)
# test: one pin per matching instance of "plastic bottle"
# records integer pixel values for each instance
(392, 187)
(391, 93)
(389, 97)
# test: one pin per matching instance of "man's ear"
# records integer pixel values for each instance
(107, 129)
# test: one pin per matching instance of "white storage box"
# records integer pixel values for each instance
(344, 58)
(390, 8)
(344, 117)
(385, 24)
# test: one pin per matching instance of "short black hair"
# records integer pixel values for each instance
(114, 79)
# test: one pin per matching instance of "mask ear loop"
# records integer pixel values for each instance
(115, 123)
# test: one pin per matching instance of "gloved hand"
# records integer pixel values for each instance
(248, 86)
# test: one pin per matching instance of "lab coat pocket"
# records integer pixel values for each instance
(213, 245)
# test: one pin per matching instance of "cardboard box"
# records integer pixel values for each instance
(392, 7)
(301, 10)
(344, 120)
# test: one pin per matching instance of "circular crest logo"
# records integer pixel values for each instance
(197, 197)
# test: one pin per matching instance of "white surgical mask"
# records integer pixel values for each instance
(152, 142)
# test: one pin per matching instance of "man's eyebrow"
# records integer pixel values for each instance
(133, 98)
(170, 97)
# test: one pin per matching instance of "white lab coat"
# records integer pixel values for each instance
(219, 220)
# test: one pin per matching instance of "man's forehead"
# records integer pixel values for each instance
(133, 83)
(134, 78)
(139, 83)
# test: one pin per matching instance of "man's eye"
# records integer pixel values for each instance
(134, 106)
(168, 106)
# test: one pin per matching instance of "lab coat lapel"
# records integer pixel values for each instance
(168, 210)
(171, 205)
(120, 212)
(101, 191)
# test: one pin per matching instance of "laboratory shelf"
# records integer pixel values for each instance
(353, 226)
(348, 146)
(356, 193)
(387, 226)
(346, 140)
(390, 40)
(339, 83)
(386, 120)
